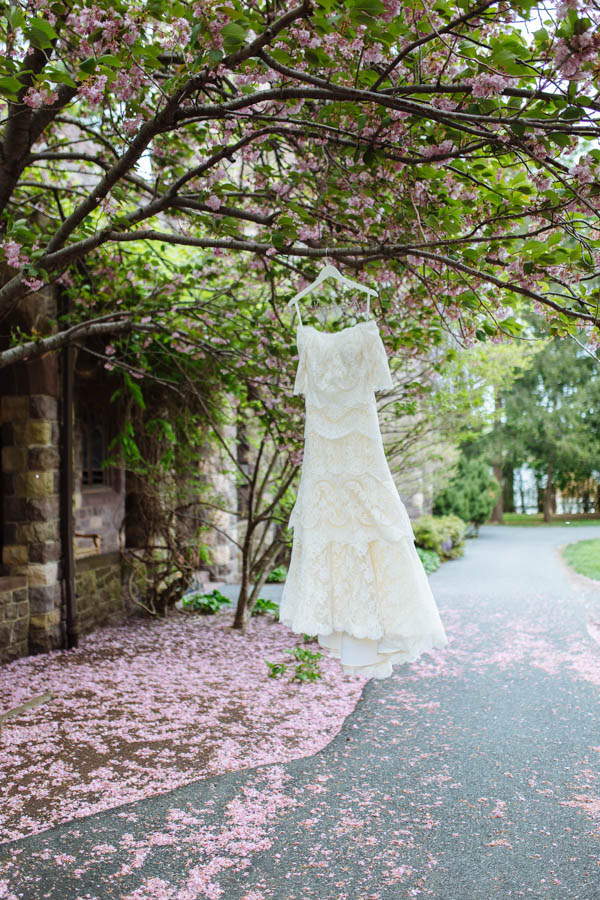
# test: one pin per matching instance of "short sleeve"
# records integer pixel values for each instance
(380, 377)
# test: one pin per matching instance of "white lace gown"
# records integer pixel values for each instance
(355, 579)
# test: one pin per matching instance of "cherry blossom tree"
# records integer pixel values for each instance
(445, 150)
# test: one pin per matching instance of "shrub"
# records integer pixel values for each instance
(444, 535)
(471, 494)
(456, 530)
(278, 575)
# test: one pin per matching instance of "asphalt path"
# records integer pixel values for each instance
(471, 773)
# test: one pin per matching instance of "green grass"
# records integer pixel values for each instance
(584, 557)
(538, 519)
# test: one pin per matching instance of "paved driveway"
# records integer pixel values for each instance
(470, 774)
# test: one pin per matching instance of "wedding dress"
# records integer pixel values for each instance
(355, 579)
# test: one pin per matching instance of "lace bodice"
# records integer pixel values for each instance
(342, 368)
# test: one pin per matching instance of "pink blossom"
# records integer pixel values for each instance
(582, 170)
(213, 202)
(565, 6)
(42, 96)
(65, 279)
(570, 56)
(487, 84)
(92, 90)
(443, 149)
(13, 254)
(132, 125)
(123, 86)
(34, 284)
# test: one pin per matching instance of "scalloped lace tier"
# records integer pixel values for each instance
(374, 603)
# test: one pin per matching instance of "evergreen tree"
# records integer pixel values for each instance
(471, 494)
(552, 418)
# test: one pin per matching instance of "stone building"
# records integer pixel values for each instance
(63, 530)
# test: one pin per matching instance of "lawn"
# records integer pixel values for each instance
(584, 557)
(538, 519)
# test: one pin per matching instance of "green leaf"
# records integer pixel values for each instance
(469, 299)
(370, 7)
(58, 76)
(135, 390)
(508, 53)
(15, 17)
(41, 33)
(196, 31)
(571, 113)
(108, 59)
(369, 156)
(558, 137)
(10, 85)
(233, 37)
(215, 56)
(518, 128)
(88, 66)
(156, 8)
(582, 25)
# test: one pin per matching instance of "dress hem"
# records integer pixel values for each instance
(375, 658)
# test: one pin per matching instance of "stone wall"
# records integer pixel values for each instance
(216, 468)
(31, 547)
(14, 618)
(98, 590)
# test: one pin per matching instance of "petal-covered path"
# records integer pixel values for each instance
(472, 773)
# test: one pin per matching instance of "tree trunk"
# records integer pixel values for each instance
(241, 613)
(508, 489)
(243, 459)
(243, 502)
(521, 491)
(548, 494)
(540, 494)
(498, 510)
